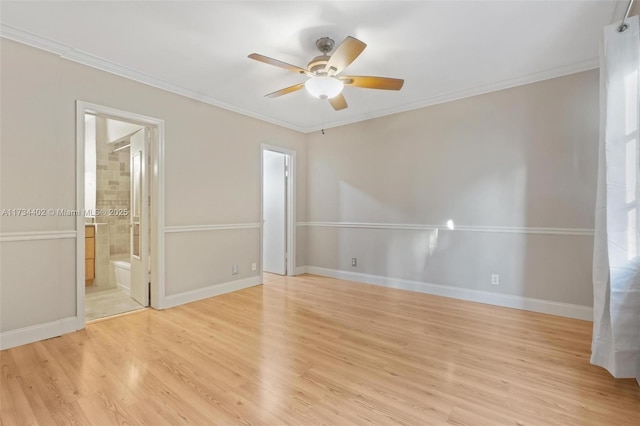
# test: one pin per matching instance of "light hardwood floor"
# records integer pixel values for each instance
(310, 351)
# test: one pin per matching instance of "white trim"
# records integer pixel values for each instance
(34, 333)
(80, 221)
(69, 53)
(84, 58)
(301, 270)
(505, 300)
(157, 197)
(210, 291)
(291, 205)
(6, 237)
(199, 228)
(157, 217)
(123, 289)
(466, 228)
(587, 65)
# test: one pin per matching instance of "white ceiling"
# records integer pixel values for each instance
(443, 49)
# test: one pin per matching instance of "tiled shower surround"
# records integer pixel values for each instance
(113, 179)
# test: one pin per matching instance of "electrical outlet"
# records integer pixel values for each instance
(354, 261)
(254, 266)
(234, 270)
(495, 279)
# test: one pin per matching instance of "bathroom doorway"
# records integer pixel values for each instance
(278, 212)
(119, 219)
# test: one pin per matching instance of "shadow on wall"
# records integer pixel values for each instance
(514, 159)
(561, 161)
(438, 255)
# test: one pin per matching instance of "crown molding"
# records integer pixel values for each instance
(69, 53)
(468, 93)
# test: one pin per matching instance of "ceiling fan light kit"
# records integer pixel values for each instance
(323, 71)
(324, 87)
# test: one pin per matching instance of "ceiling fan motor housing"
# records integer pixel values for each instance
(318, 64)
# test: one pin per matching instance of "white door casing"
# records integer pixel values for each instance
(156, 180)
(139, 219)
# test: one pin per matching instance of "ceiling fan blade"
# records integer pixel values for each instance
(369, 82)
(344, 54)
(285, 91)
(277, 63)
(338, 102)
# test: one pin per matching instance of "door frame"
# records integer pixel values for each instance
(291, 207)
(156, 210)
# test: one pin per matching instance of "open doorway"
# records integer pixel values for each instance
(115, 225)
(118, 195)
(278, 212)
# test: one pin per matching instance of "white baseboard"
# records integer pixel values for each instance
(123, 288)
(210, 291)
(34, 333)
(301, 270)
(505, 300)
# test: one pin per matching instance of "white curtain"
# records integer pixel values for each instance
(616, 271)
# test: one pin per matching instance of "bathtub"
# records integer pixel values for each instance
(121, 272)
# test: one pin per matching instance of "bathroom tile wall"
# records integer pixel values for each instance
(102, 256)
(113, 187)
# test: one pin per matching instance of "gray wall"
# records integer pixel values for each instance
(522, 158)
(212, 174)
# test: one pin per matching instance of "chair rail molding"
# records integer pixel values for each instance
(456, 228)
(37, 235)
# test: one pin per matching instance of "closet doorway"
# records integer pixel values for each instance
(278, 211)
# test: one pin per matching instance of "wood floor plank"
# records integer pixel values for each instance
(317, 351)
(15, 404)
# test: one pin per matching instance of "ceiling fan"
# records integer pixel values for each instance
(325, 81)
